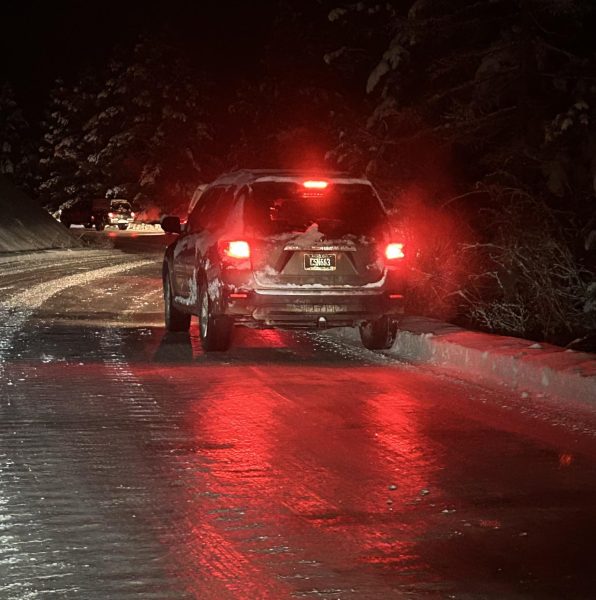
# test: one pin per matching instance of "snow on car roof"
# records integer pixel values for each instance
(246, 176)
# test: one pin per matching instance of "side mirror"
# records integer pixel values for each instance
(171, 224)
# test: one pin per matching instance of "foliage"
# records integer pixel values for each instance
(16, 151)
(63, 169)
(137, 131)
(531, 283)
(437, 267)
(468, 97)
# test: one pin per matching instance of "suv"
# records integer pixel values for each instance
(98, 213)
(120, 214)
(284, 249)
(87, 212)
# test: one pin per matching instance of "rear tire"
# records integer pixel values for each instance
(122, 227)
(100, 225)
(216, 331)
(175, 319)
(66, 224)
(379, 334)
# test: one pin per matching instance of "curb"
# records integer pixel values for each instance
(517, 363)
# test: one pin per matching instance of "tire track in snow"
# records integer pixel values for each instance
(230, 572)
(111, 568)
(17, 308)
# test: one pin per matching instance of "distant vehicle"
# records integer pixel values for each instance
(98, 213)
(284, 249)
(120, 213)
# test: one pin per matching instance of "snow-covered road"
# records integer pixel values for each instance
(132, 465)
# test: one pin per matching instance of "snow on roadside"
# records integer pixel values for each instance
(544, 370)
(27, 226)
(16, 309)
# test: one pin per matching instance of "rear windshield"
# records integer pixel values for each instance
(120, 205)
(341, 209)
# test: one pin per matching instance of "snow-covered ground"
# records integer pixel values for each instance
(528, 367)
(25, 226)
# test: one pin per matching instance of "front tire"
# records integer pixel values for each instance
(215, 331)
(379, 334)
(175, 319)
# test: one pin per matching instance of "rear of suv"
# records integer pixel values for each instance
(284, 249)
(120, 214)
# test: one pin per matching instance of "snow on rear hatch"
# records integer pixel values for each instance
(323, 237)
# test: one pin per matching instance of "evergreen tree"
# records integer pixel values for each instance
(148, 139)
(483, 104)
(503, 87)
(16, 152)
(63, 174)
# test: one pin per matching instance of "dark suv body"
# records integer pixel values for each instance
(284, 249)
(90, 213)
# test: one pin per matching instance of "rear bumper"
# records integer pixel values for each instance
(325, 308)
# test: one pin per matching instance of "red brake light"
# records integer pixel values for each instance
(315, 185)
(394, 251)
(111, 215)
(132, 215)
(237, 249)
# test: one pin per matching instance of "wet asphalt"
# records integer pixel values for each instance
(132, 465)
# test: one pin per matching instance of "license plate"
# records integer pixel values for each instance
(317, 308)
(319, 262)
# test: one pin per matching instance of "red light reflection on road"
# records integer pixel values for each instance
(290, 479)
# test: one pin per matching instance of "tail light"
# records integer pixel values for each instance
(315, 185)
(394, 251)
(132, 215)
(111, 215)
(236, 249)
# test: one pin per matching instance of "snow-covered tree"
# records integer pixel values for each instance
(136, 129)
(63, 176)
(475, 104)
(148, 138)
(490, 84)
(16, 153)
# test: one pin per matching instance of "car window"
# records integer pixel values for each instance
(222, 208)
(120, 205)
(200, 216)
(342, 209)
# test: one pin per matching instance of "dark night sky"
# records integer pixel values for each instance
(41, 40)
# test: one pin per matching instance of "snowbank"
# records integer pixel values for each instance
(24, 225)
(519, 364)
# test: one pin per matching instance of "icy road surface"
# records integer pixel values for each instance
(132, 465)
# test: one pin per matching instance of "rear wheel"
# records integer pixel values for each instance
(175, 319)
(379, 334)
(216, 331)
(100, 225)
(66, 224)
(122, 227)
